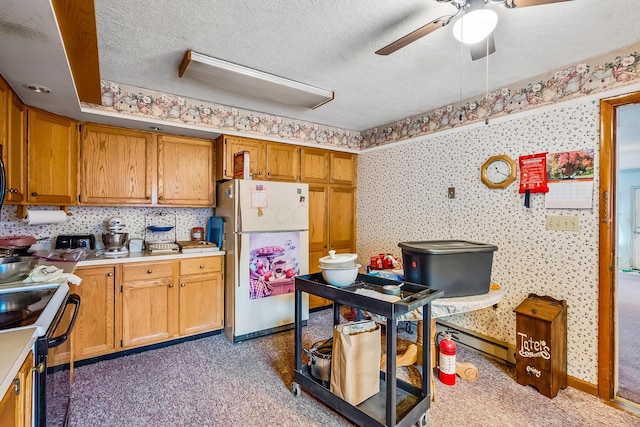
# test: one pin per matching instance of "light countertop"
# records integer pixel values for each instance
(15, 345)
(145, 256)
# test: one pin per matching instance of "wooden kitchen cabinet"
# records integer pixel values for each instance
(201, 295)
(185, 171)
(343, 167)
(52, 159)
(15, 150)
(117, 166)
(283, 162)
(227, 146)
(94, 330)
(331, 226)
(16, 404)
(314, 165)
(267, 160)
(342, 218)
(148, 298)
(13, 130)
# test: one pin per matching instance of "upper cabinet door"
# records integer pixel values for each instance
(185, 171)
(52, 159)
(283, 162)
(117, 166)
(343, 168)
(16, 150)
(314, 165)
(229, 145)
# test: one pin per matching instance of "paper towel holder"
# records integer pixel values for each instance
(21, 212)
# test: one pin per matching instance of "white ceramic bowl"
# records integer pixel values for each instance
(341, 276)
(334, 260)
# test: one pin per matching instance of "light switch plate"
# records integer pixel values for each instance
(563, 222)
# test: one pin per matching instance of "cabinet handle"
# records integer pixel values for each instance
(34, 194)
(260, 173)
(160, 198)
(148, 197)
(171, 285)
(16, 386)
(182, 285)
(202, 266)
(268, 173)
(326, 178)
(149, 271)
(109, 274)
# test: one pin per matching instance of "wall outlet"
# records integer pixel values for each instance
(451, 193)
(563, 222)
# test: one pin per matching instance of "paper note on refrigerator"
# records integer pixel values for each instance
(258, 199)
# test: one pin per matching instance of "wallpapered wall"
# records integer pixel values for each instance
(402, 196)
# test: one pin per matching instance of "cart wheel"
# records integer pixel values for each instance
(424, 420)
(295, 389)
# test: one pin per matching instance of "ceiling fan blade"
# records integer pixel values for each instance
(415, 35)
(480, 50)
(525, 3)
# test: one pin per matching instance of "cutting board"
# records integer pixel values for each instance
(189, 246)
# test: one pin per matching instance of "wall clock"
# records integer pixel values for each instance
(498, 171)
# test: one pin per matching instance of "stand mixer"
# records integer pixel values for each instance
(114, 238)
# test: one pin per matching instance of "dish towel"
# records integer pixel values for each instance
(51, 274)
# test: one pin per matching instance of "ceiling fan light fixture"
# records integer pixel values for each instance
(475, 26)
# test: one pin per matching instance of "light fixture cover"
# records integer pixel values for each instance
(237, 78)
(475, 26)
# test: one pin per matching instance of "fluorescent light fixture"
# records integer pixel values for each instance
(475, 26)
(236, 78)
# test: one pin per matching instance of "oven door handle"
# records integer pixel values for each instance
(60, 339)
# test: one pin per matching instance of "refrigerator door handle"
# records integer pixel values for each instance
(236, 264)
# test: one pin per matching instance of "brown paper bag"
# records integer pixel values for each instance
(355, 361)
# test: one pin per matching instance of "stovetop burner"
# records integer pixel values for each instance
(22, 308)
(10, 319)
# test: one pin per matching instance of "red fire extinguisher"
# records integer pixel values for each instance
(447, 371)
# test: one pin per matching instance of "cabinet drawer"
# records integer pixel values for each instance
(200, 265)
(134, 272)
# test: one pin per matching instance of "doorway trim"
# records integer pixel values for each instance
(607, 242)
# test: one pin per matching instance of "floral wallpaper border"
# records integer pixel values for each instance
(130, 100)
(606, 72)
(616, 69)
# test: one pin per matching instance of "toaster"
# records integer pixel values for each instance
(73, 241)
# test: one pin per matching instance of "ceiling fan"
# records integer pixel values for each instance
(479, 48)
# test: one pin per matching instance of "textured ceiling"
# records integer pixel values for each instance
(328, 44)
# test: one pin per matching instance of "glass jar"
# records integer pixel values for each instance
(197, 233)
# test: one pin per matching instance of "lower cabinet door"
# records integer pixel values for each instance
(147, 312)
(201, 304)
(94, 331)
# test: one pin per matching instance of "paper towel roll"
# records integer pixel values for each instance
(45, 217)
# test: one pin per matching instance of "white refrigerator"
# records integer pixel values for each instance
(266, 239)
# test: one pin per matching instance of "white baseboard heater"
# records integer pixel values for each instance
(477, 341)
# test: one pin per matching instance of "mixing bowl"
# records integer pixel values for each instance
(114, 241)
(16, 267)
(340, 276)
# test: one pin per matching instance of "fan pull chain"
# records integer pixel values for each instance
(486, 96)
(461, 52)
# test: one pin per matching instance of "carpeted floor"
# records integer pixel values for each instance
(628, 327)
(211, 382)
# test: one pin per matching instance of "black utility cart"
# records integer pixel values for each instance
(398, 403)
